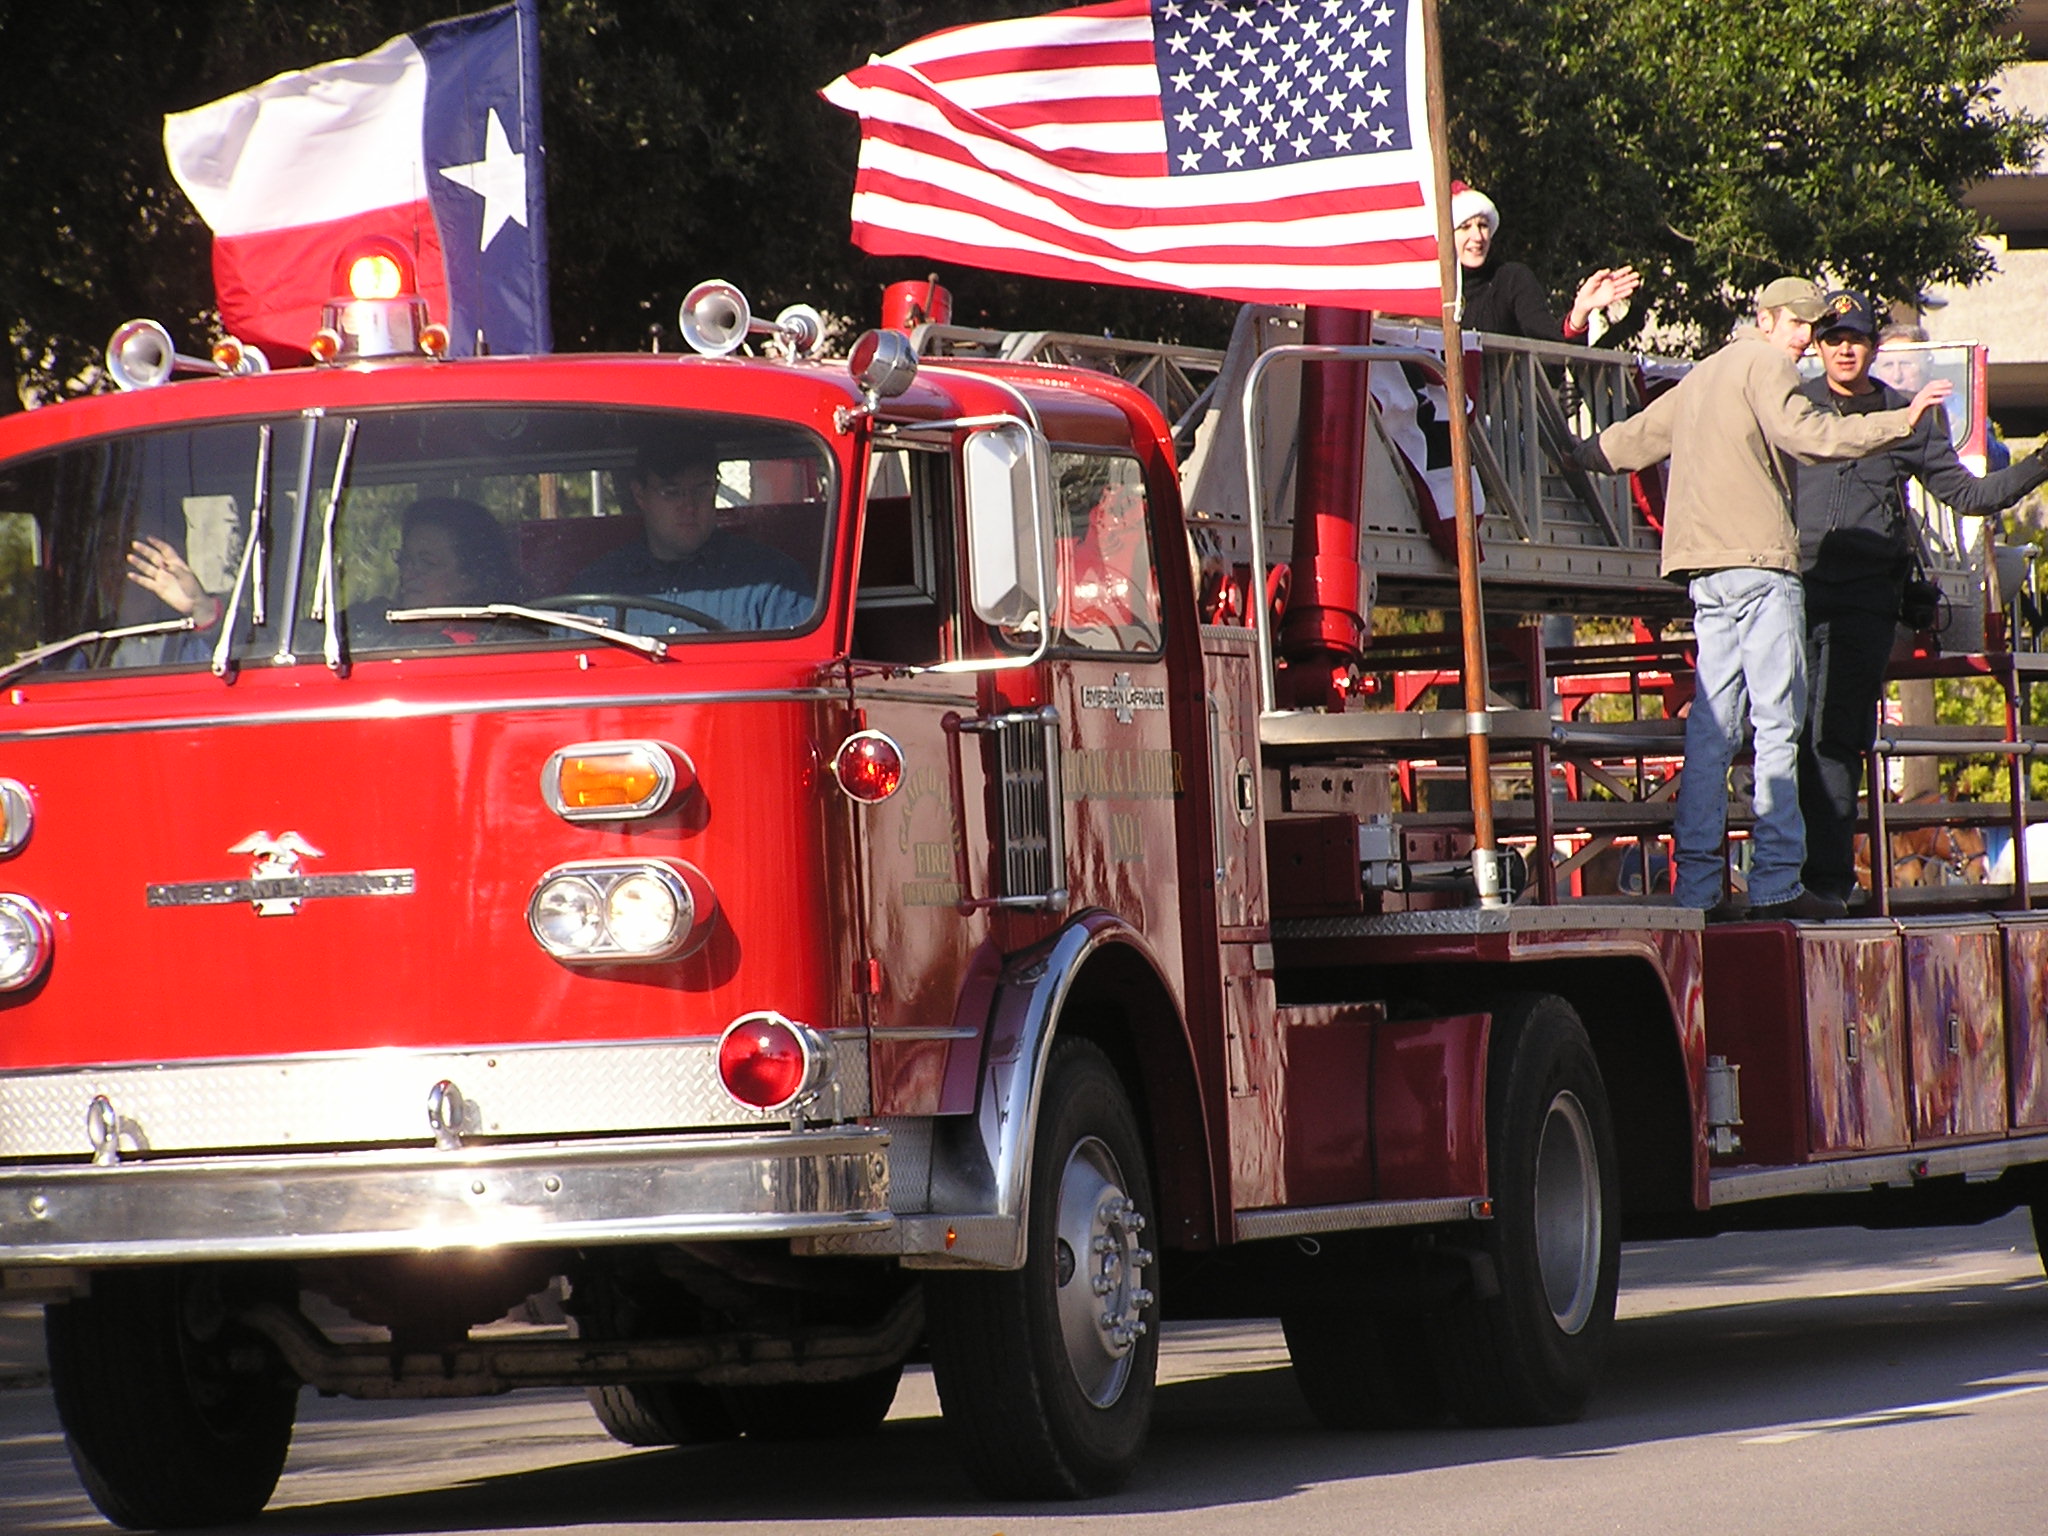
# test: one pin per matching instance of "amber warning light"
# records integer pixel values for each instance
(376, 310)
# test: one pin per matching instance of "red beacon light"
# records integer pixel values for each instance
(868, 766)
(377, 310)
(768, 1063)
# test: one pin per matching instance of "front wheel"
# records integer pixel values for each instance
(175, 1413)
(1046, 1374)
(1531, 1351)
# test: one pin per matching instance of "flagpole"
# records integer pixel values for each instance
(528, 14)
(1478, 724)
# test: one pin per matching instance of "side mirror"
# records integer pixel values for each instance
(1006, 472)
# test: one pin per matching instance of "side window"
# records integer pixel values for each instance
(903, 610)
(1106, 581)
(21, 557)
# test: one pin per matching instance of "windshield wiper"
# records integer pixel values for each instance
(42, 653)
(647, 645)
(252, 560)
(326, 594)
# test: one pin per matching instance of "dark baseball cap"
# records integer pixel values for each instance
(1846, 311)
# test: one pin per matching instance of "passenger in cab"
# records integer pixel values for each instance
(1504, 297)
(452, 553)
(684, 558)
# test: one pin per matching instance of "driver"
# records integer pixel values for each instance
(685, 558)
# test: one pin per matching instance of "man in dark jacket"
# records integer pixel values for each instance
(1855, 551)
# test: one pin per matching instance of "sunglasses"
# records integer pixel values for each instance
(1845, 338)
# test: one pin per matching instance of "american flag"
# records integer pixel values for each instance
(1269, 150)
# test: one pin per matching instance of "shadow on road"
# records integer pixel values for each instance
(1246, 1438)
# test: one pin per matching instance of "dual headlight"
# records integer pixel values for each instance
(25, 936)
(613, 910)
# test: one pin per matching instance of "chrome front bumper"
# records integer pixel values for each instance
(713, 1185)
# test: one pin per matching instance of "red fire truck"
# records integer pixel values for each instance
(807, 861)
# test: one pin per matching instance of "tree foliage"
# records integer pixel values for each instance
(1719, 143)
(1714, 142)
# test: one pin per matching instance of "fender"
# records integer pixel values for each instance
(981, 1162)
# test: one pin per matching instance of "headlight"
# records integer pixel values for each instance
(606, 911)
(24, 942)
(17, 816)
(567, 916)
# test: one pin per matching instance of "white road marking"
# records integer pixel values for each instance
(1894, 1415)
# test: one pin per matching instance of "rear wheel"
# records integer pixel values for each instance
(175, 1414)
(661, 1413)
(1361, 1371)
(1531, 1352)
(1046, 1374)
(815, 1410)
(641, 1306)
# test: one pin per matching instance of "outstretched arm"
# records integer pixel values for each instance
(1936, 466)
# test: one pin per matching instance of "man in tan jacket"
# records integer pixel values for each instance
(1732, 430)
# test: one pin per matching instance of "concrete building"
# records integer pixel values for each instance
(2009, 310)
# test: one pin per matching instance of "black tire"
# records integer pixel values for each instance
(1039, 1408)
(640, 1306)
(814, 1410)
(1358, 1370)
(175, 1414)
(1531, 1351)
(662, 1413)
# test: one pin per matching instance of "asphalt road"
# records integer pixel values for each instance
(1817, 1383)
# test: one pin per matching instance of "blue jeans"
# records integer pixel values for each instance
(1751, 627)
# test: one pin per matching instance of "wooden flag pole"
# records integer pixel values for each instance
(1478, 723)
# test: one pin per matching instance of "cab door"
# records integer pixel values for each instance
(924, 849)
(1120, 773)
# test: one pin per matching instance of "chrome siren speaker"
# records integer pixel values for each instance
(715, 318)
(140, 355)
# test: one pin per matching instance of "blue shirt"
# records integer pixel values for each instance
(743, 584)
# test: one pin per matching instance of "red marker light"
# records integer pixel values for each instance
(434, 340)
(767, 1063)
(325, 345)
(868, 766)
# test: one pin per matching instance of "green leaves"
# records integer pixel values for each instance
(1718, 143)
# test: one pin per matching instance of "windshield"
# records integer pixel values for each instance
(693, 526)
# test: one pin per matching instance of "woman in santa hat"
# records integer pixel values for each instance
(1504, 297)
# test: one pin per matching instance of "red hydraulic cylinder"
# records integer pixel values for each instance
(1323, 635)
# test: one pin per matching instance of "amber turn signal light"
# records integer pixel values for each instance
(614, 780)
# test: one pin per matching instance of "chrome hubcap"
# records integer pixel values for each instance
(1100, 1272)
(1568, 1215)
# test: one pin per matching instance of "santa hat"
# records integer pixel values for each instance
(1469, 202)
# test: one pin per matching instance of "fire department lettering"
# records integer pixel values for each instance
(1122, 696)
(275, 888)
(1121, 773)
(931, 854)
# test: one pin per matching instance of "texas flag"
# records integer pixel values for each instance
(433, 140)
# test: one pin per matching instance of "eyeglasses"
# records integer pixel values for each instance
(1845, 339)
